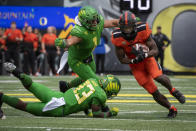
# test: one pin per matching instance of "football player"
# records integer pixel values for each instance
(91, 94)
(84, 37)
(143, 64)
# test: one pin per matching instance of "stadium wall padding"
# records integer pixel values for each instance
(166, 18)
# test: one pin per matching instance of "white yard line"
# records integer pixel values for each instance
(172, 79)
(114, 119)
(22, 89)
(65, 128)
(140, 88)
(178, 79)
(138, 104)
(127, 79)
(17, 81)
(151, 112)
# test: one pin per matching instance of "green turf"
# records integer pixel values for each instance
(132, 116)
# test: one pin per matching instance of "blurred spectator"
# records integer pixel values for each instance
(57, 58)
(48, 48)
(39, 35)
(2, 50)
(24, 29)
(160, 40)
(38, 53)
(13, 37)
(30, 47)
(2, 41)
(54, 29)
(100, 52)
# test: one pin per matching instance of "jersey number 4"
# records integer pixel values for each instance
(84, 94)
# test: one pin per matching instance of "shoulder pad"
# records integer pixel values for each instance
(141, 27)
(117, 33)
(78, 31)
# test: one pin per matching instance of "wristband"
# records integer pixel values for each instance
(146, 55)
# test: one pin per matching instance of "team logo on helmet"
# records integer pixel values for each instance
(127, 18)
(89, 17)
(111, 85)
(127, 24)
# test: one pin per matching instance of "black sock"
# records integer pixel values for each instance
(16, 73)
(1, 94)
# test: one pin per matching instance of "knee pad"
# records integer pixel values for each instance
(26, 80)
(150, 86)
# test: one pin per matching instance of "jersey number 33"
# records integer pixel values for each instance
(81, 94)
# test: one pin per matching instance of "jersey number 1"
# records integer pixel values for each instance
(85, 95)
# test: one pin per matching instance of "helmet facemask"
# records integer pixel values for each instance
(92, 24)
(129, 31)
(128, 25)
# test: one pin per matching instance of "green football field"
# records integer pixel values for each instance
(137, 109)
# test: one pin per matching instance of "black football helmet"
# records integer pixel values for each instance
(127, 24)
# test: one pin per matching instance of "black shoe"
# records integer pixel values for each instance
(9, 67)
(2, 116)
(179, 96)
(86, 112)
(172, 112)
(63, 86)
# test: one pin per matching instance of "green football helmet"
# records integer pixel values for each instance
(111, 85)
(89, 17)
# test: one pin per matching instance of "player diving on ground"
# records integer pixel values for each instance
(91, 94)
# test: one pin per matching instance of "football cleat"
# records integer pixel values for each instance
(88, 113)
(63, 86)
(9, 67)
(178, 95)
(172, 112)
(2, 116)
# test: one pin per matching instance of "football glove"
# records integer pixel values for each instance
(90, 114)
(140, 55)
(59, 42)
(134, 51)
(114, 111)
(138, 59)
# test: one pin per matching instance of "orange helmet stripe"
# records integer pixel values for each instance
(126, 20)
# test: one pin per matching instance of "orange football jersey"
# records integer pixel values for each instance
(143, 33)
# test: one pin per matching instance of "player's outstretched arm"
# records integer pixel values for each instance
(66, 43)
(111, 23)
(97, 112)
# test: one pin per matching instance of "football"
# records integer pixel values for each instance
(138, 46)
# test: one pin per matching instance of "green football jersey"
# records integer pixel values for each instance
(81, 98)
(90, 39)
